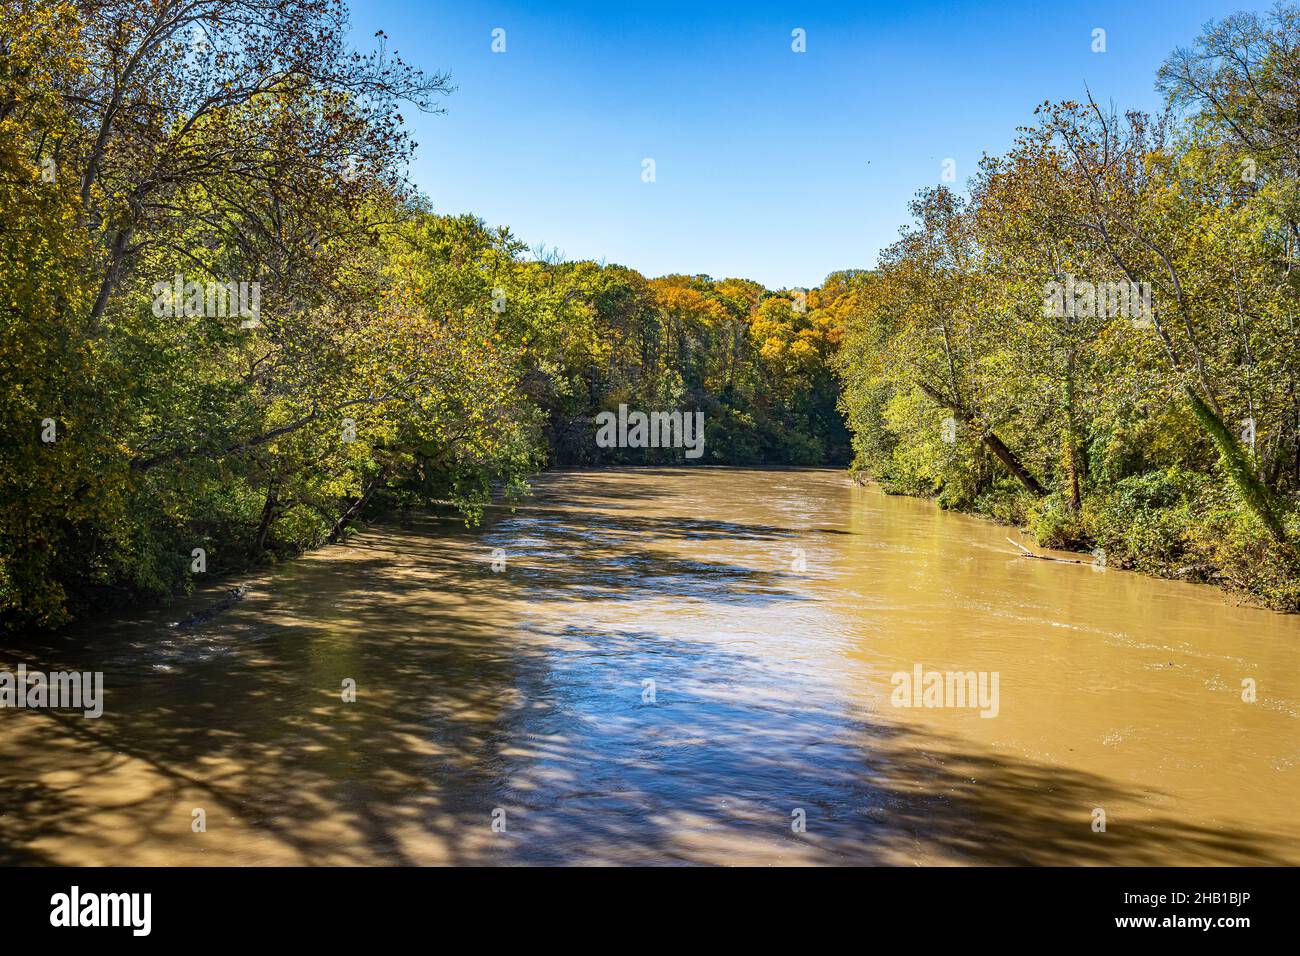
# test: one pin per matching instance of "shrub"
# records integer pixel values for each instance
(1054, 524)
(1145, 521)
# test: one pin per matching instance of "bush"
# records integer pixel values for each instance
(1145, 522)
(1006, 502)
(1244, 557)
(1054, 524)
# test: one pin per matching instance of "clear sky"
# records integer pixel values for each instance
(769, 164)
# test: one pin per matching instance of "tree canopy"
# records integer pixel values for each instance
(231, 327)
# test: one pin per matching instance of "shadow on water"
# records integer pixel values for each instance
(467, 704)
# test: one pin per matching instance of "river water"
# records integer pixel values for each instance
(669, 666)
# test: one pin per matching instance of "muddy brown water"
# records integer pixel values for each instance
(673, 666)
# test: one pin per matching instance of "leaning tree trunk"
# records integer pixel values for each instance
(356, 507)
(1259, 499)
(991, 441)
(1008, 458)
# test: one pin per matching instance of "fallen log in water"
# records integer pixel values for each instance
(1026, 553)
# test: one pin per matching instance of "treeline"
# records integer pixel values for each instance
(756, 363)
(230, 328)
(1100, 341)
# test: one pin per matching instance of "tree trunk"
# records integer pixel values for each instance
(1008, 458)
(1259, 499)
(991, 441)
(1072, 456)
(356, 507)
(268, 513)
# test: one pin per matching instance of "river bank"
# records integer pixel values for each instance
(1152, 532)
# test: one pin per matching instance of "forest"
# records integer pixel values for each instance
(232, 328)
(1154, 418)
(155, 153)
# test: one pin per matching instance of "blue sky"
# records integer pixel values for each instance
(770, 165)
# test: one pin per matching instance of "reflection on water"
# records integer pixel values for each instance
(672, 665)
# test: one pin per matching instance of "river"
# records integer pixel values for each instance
(669, 666)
